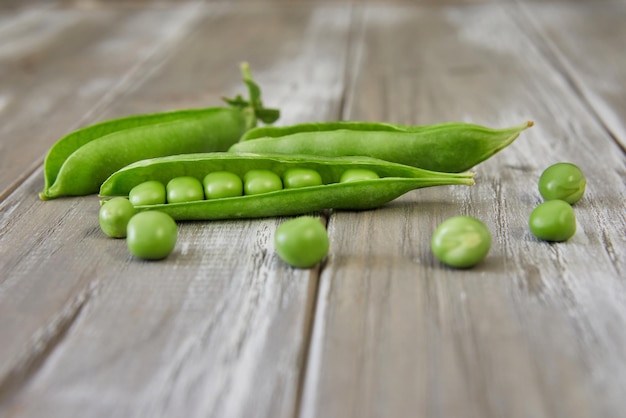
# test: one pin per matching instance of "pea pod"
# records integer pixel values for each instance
(78, 163)
(394, 180)
(448, 147)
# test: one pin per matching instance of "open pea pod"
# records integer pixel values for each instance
(393, 181)
(448, 147)
(78, 163)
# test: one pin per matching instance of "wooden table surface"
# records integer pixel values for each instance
(222, 327)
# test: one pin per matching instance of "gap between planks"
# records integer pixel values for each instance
(354, 49)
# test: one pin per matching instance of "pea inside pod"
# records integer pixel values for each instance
(149, 192)
(259, 181)
(393, 180)
(220, 184)
(301, 177)
(357, 174)
(184, 189)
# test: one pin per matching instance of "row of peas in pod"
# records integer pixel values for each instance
(225, 184)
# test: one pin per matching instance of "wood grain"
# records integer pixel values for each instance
(397, 334)
(64, 67)
(590, 54)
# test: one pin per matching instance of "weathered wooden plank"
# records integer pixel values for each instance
(588, 42)
(537, 329)
(60, 68)
(217, 329)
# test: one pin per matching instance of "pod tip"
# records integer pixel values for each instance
(529, 123)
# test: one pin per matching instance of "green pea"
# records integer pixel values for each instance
(301, 177)
(553, 220)
(151, 235)
(261, 181)
(562, 181)
(461, 241)
(150, 192)
(184, 189)
(114, 216)
(357, 174)
(221, 184)
(301, 242)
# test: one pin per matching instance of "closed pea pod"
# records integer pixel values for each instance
(78, 163)
(448, 147)
(394, 180)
